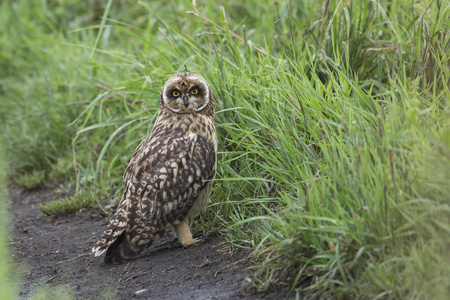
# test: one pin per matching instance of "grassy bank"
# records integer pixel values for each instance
(333, 122)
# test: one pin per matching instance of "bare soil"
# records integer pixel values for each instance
(57, 252)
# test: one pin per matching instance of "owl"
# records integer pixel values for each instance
(169, 177)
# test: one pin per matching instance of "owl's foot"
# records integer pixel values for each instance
(200, 236)
(199, 239)
(176, 243)
(184, 236)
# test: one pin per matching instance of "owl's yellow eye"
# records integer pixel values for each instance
(194, 91)
(176, 93)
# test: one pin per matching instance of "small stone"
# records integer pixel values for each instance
(140, 292)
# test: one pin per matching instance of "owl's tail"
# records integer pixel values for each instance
(115, 234)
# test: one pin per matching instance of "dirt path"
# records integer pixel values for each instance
(57, 251)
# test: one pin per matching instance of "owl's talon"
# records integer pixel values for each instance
(202, 239)
(199, 239)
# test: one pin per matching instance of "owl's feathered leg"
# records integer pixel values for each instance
(184, 235)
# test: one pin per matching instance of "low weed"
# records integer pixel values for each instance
(31, 180)
(70, 205)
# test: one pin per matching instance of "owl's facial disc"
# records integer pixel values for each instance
(185, 94)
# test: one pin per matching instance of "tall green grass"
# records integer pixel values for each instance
(333, 122)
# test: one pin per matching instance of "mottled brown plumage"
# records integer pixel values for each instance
(170, 175)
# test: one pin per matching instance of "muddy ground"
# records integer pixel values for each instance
(57, 252)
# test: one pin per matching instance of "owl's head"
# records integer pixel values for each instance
(187, 93)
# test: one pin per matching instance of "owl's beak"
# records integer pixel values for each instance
(185, 99)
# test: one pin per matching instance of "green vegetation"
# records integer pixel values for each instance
(5, 264)
(72, 204)
(31, 180)
(333, 122)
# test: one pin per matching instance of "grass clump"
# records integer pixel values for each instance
(31, 180)
(70, 205)
(332, 118)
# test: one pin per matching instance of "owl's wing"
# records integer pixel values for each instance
(162, 185)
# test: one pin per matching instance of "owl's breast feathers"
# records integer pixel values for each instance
(166, 174)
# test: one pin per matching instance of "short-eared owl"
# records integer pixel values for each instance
(170, 175)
